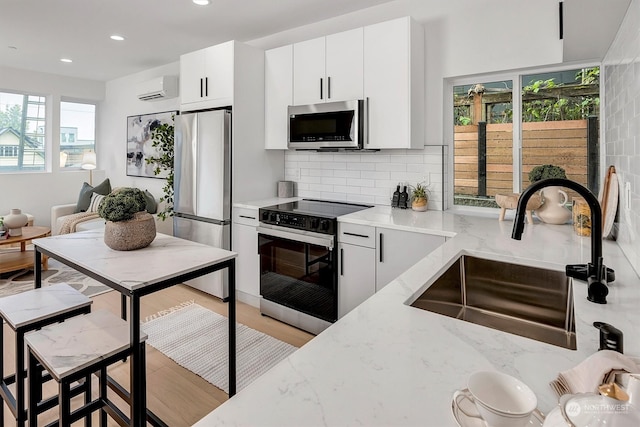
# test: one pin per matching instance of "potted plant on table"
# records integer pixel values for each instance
(554, 199)
(419, 197)
(128, 225)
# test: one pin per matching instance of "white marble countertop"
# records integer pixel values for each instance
(164, 258)
(389, 364)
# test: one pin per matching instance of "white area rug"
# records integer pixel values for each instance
(196, 339)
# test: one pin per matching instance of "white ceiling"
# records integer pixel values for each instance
(35, 34)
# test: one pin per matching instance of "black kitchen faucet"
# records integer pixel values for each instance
(595, 273)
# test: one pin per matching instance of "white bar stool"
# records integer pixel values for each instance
(25, 312)
(72, 351)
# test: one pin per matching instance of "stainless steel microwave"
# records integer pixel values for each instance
(332, 125)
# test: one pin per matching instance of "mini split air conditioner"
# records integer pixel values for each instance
(162, 87)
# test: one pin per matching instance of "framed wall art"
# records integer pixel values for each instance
(139, 144)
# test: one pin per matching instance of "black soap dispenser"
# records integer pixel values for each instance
(395, 200)
(404, 197)
(610, 337)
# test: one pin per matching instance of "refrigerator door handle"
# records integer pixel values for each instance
(203, 219)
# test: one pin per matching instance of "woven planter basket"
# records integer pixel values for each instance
(129, 235)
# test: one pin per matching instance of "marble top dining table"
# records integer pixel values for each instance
(166, 262)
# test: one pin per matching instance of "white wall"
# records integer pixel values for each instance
(622, 128)
(35, 193)
(461, 38)
(120, 102)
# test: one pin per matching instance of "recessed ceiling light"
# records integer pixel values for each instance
(201, 2)
(66, 60)
(117, 37)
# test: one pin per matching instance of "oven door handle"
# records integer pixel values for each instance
(326, 242)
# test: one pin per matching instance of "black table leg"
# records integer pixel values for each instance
(37, 268)
(232, 327)
(137, 368)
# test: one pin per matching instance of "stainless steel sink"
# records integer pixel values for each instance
(531, 302)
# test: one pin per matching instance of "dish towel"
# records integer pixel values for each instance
(595, 370)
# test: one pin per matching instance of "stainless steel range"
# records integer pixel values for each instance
(298, 262)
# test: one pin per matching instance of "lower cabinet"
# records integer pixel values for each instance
(245, 243)
(356, 277)
(371, 257)
(398, 250)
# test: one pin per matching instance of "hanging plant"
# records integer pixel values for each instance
(162, 138)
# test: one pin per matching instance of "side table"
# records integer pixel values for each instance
(12, 259)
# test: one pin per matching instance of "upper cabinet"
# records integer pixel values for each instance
(382, 63)
(278, 95)
(328, 69)
(394, 84)
(206, 77)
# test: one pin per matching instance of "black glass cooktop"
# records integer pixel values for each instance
(319, 208)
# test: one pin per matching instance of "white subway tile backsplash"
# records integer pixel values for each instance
(621, 67)
(334, 181)
(361, 166)
(375, 175)
(360, 182)
(401, 167)
(320, 187)
(365, 177)
(346, 173)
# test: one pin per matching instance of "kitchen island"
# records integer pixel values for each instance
(389, 364)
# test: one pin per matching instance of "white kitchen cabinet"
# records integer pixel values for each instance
(371, 257)
(356, 269)
(398, 250)
(206, 77)
(394, 83)
(245, 243)
(278, 91)
(328, 69)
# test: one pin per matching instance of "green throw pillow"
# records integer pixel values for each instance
(152, 206)
(84, 199)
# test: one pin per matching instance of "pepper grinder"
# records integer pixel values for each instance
(404, 196)
(395, 200)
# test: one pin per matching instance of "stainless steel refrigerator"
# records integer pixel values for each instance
(202, 187)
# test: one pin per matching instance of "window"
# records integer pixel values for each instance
(505, 127)
(22, 132)
(77, 132)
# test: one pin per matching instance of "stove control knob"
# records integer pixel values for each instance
(273, 216)
(265, 216)
(324, 225)
(314, 223)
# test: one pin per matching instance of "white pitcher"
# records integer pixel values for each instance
(553, 210)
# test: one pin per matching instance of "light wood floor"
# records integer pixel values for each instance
(176, 395)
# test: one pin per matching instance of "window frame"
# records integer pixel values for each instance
(59, 122)
(47, 131)
(516, 76)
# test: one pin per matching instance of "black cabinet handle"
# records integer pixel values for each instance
(342, 262)
(206, 86)
(320, 87)
(381, 247)
(248, 217)
(346, 233)
(328, 87)
(201, 88)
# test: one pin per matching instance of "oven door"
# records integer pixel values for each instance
(299, 270)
